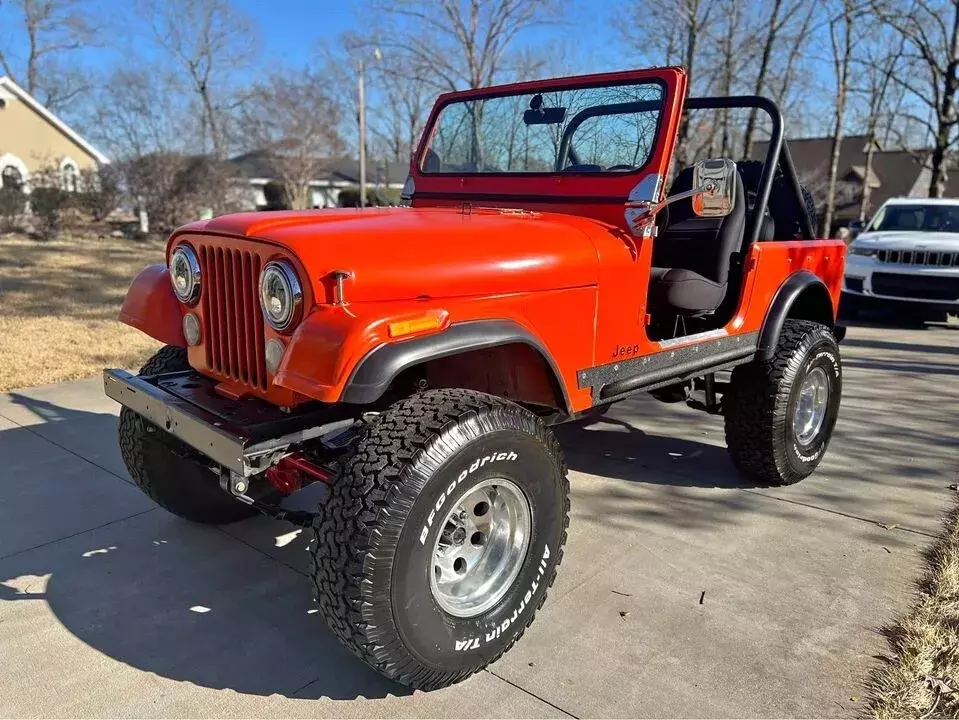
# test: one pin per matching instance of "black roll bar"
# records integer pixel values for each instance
(778, 153)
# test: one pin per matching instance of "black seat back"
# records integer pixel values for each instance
(704, 245)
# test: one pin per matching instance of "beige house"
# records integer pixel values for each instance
(32, 137)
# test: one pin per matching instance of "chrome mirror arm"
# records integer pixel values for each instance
(650, 209)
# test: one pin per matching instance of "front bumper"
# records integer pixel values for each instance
(243, 436)
(917, 285)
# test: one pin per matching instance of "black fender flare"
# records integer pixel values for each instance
(796, 285)
(379, 367)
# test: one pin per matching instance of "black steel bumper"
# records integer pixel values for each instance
(243, 436)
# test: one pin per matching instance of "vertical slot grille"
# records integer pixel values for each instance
(233, 323)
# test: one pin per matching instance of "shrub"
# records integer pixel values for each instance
(175, 189)
(47, 204)
(277, 198)
(375, 197)
(13, 203)
(100, 192)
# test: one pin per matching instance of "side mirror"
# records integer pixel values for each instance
(716, 180)
(856, 228)
(713, 195)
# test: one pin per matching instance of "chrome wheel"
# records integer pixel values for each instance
(811, 406)
(481, 547)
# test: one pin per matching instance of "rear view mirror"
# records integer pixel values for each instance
(539, 115)
(545, 116)
(716, 182)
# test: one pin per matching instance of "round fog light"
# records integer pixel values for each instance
(191, 329)
(274, 354)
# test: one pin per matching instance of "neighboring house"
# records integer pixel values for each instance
(894, 173)
(254, 169)
(32, 137)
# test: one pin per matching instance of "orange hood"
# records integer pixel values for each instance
(405, 253)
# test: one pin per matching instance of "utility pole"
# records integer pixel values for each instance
(361, 93)
(361, 102)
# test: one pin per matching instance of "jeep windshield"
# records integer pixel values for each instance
(609, 129)
(934, 217)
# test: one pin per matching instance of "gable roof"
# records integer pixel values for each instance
(7, 83)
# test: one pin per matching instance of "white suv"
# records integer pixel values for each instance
(906, 260)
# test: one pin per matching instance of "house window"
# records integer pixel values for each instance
(11, 177)
(68, 175)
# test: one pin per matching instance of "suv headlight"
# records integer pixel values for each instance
(185, 274)
(866, 250)
(280, 294)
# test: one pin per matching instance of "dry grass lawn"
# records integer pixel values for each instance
(59, 302)
(921, 677)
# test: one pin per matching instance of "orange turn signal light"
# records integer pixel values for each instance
(402, 328)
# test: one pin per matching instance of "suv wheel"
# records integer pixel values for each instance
(780, 414)
(441, 535)
(169, 472)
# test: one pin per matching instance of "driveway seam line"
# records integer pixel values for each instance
(76, 534)
(532, 694)
(30, 430)
(839, 512)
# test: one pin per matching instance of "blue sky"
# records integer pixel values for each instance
(291, 30)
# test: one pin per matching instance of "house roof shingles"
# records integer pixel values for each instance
(895, 173)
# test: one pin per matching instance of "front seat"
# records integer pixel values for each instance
(692, 254)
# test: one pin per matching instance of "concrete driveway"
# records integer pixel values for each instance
(684, 591)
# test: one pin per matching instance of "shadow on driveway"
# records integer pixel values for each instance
(186, 602)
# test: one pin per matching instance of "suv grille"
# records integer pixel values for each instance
(920, 287)
(231, 309)
(919, 257)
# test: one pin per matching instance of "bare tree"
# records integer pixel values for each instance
(730, 63)
(673, 32)
(138, 112)
(841, 36)
(456, 44)
(399, 118)
(210, 41)
(880, 61)
(930, 29)
(52, 30)
(295, 123)
(780, 15)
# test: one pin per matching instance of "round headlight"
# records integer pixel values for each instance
(280, 295)
(185, 274)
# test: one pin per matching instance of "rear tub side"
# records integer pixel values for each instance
(798, 278)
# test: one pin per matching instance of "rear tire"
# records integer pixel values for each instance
(172, 474)
(780, 414)
(383, 563)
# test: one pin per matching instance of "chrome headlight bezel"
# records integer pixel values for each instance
(285, 274)
(185, 258)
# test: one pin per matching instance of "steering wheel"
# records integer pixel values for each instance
(620, 168)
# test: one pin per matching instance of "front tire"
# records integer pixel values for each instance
(173, 475)
(780, 414)
(439, 482)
